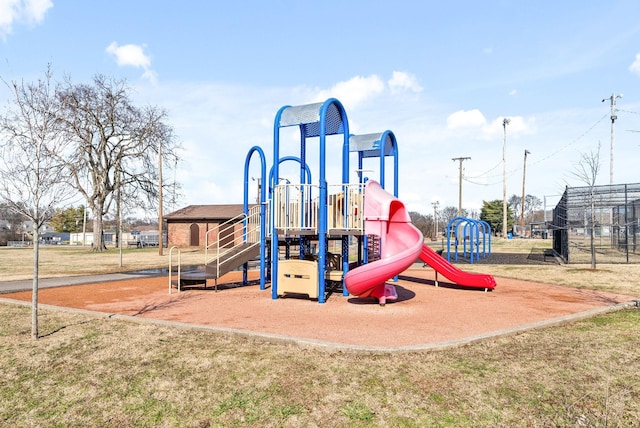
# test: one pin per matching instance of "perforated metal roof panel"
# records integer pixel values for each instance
(308, 118)
(369, 144)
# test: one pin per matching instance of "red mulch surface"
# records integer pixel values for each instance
(423, 316)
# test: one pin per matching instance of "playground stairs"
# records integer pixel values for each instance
(228, 246)
(232, 259)
(220, 265)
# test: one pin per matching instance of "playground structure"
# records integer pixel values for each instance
(307, 213)
(473, 234)
(315, 236)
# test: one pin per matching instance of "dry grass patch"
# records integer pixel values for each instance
(100, 372)
(91, 371)
(57, 261)
(615, 278)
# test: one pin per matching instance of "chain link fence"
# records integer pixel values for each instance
(609, 214)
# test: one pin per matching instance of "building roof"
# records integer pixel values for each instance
(207, 212)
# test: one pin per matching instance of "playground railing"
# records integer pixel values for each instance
(296, 208)
(345, 207)
(230, 236)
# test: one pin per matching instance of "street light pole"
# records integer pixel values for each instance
(505, 122)
(612, 98)
(435, 217)
(524, 176)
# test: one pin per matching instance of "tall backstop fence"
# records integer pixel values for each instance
(608, 214)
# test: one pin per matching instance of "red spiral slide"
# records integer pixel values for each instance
(402, 244)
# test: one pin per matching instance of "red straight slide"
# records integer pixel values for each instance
(453, 274)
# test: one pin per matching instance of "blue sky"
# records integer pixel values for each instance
(441, 75)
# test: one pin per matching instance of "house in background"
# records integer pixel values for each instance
(188, 226)
(55, 238)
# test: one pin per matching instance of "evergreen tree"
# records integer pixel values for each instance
(491, 212)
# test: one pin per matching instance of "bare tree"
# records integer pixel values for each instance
(33, 180)
(448, 213)
(12, 217)
(515, 202)
(116, 145)
(529, 205)
(586, 170)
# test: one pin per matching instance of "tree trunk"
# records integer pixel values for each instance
(34, 292)
(98, 235)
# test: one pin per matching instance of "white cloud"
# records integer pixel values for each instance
(517, 125)
(354, 91)
(217, 124)
(466, 119)
(21, 11)
(513, 92)
(635, 65)
(151, 76)
(401, 81)
(133, 56)
(474, 120)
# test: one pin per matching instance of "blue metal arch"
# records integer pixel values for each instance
(486, 230)
(263, 173)
(378, 145)
(453, 226)
(314, 120)
(375, 145)
(284, 159)
(471, 228)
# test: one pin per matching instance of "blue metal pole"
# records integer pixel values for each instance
(274, 231)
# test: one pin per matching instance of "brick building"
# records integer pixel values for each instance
(187, 227)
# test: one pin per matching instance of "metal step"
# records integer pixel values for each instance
(232, 260)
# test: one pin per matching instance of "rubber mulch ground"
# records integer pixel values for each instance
(424, 316)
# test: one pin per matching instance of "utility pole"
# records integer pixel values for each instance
(461, 159)
(612, 98)
(524, 176)
(435, 204)
(505, 122)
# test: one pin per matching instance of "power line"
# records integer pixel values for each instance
(542, 159)
(575, 140)
(488, 171)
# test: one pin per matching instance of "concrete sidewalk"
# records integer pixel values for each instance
(27, 284)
